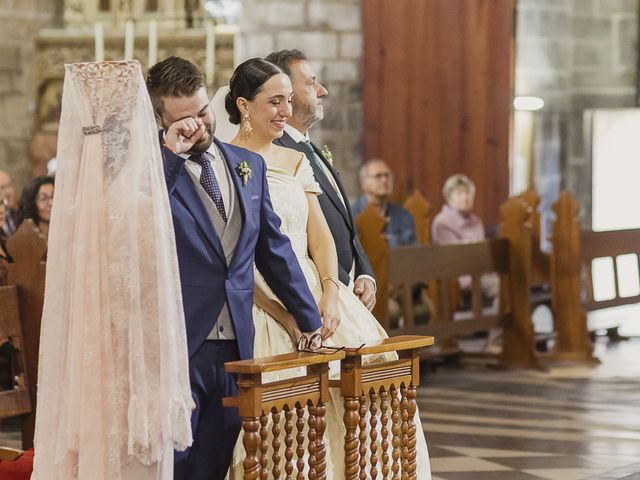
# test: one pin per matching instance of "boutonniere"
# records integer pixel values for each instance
(326, 153)
(245, 172)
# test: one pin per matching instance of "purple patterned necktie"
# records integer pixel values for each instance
(209, 182)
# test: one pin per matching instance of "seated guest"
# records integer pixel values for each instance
(376, 182)
(456, 223)
(35, 203)
(7, 195)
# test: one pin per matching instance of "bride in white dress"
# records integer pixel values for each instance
(260, 101)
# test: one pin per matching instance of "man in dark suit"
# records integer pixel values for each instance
(223, 222)
(354, 267)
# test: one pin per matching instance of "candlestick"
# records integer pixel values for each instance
(153, 43)
(129, 38)
(99, 41)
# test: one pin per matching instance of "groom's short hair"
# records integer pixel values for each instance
(173, 77)
(284, 58)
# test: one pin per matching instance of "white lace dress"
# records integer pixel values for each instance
(113, 385)
(357, 324)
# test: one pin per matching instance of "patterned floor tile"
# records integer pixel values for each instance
(464, 464)
(565, 473)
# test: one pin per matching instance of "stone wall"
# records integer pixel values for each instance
(330, 32)
(21, 21)
(576, 55)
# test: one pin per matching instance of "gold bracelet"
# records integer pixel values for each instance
(331, 279)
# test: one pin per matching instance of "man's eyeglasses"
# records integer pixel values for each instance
(313, 344)
(380, 176)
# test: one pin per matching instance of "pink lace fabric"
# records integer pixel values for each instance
(113, 382)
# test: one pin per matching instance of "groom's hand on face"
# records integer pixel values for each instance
(183, 134)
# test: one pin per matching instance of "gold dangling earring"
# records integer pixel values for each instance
(246, 129)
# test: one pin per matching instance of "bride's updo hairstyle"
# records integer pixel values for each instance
(247, 81)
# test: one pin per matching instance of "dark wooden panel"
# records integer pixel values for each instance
(438, 85)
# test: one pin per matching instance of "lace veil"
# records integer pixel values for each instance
(113, 374)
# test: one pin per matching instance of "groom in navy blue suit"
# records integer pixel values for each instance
(224, 222)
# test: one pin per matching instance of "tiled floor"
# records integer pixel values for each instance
(567, 423)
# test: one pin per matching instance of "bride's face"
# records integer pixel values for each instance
(271, 108)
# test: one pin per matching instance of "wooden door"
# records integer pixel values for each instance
(437, 90)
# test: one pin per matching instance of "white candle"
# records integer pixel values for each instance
(128, 40)
(153, 43)
(210, 50)
(99, 39)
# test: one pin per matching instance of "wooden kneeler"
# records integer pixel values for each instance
(388, 387)
(306, 396)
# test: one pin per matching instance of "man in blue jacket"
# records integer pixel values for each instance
(224, 222)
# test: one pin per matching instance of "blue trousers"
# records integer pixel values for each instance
(215, 428)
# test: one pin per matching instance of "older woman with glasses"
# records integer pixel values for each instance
(35, 203)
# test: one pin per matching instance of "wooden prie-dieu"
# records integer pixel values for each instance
(379, 400)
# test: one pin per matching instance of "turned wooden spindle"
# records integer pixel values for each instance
(288, 443)
(395, 432)
(300, 442)
(384, 431)
(404, 431)
(251, 442)
(275, 443)
(363, 437)
(321, 451)
(312, 442)
(351, 418)
(264, 446)
(373, 433)
(412, 406)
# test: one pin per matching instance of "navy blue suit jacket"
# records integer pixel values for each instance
(207, 282)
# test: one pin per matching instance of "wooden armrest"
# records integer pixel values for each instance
(281, 362)
(9, 454)
(401, 342)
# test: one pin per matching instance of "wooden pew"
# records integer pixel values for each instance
(386, 391)
(24, 298)
(509, 256)
(16, 401)
(570, 321)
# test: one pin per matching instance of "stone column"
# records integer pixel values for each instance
(21, 22)
(330, 33)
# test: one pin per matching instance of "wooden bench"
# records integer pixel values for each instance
(385, 392)
(509, 256)
(20, 315)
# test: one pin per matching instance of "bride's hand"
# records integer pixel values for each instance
(328, 306)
